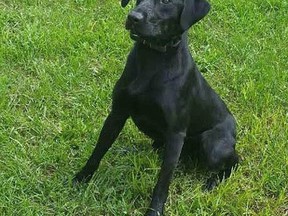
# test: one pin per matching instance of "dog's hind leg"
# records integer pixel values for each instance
(219, 149)
(223, 171)
(157, 144)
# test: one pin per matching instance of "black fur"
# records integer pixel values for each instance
(163, 92)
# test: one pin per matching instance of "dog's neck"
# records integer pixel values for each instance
(171, 45)
(174, 43)
(146, 58)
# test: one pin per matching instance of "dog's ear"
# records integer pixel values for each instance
(193, 11)
(124, 3)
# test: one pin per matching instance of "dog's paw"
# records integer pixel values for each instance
(211, 183)
(151, 212)
(80, 178)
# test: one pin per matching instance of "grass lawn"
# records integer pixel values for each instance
(59, 60)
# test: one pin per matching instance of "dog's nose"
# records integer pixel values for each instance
(135, 17)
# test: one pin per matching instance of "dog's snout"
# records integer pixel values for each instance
(135, 17)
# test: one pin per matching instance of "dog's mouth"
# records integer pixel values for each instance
(135, 36)
(148, 40)
(154, 42)
(151, 43)
(144, 38)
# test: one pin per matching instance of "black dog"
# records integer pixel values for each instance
(166, 96)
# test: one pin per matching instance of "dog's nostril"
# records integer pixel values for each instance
(135, 17)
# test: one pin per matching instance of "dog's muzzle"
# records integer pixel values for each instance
(157, 44)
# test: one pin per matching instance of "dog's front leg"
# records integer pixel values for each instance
(173, 146)
(110, 131)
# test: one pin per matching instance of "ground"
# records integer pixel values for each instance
(59, 60)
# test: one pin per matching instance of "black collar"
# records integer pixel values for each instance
(156, 46)
(162, 48)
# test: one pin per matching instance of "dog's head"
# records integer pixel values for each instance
(162, 20)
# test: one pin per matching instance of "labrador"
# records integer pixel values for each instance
(166, 96)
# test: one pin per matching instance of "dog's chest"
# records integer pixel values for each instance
(149, 115)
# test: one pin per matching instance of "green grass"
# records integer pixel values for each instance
(59, 60)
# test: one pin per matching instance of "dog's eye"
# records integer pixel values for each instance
(165, 1)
